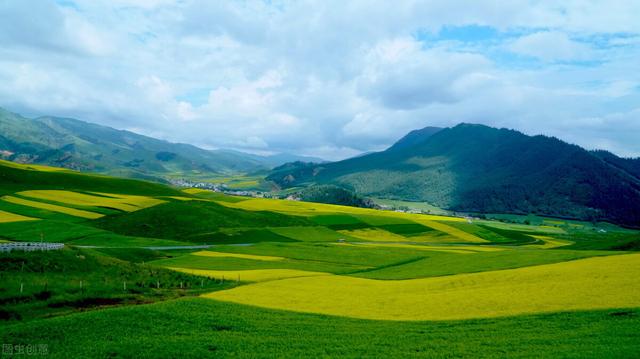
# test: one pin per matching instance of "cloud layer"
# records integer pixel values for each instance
(327, 78)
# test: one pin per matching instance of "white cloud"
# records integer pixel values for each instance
(327, 78)
(551, 46)
(399, 74)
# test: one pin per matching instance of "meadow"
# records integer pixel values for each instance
(154, 271)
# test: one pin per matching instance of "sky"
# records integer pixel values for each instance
(327, 78)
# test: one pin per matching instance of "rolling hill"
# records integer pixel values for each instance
(79, 145)
(229, 269)
(475, 168)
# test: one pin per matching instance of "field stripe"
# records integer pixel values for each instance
(52, 207)
(6, 217)
(238, 255)
(549, 242)
(127, 203)
(253, 275)
(467, 237)
(593, 283)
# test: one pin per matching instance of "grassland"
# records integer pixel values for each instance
(233, 263)
(15, 178)
(311, 234)
(42, 284)
(200, 328)
(190, 220)
(301, 278)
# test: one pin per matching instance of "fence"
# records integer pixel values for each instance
(30, 246)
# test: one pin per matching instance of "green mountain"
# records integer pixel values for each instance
(79, 145)
(475, 168)
(414, 138)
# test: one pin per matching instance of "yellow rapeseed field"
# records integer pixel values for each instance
(253, 275)
(125, 203)
(548, 242)
(311, 209)
(194, 190)
(593, 283)
(33, 167)
(6, 217)
(237, 255)
(443, 227)
(52, 207)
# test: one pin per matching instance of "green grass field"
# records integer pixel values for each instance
(197, 328)
(275, 278)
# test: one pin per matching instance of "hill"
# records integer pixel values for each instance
(18, 177)
(475, 168)
(74, 144)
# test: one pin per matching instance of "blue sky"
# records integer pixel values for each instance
(327, 78)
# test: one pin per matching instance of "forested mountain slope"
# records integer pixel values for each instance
(476, 168)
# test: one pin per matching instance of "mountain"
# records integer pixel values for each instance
(475, 168)
(630, 165)
(414, 138)
(80, 145)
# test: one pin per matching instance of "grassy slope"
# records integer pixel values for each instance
(14, 178)
(197, 328)
(51, 283)
(180, 220)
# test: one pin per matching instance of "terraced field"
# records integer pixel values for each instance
(341, 281)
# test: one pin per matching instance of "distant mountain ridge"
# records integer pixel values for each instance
(476, 168)
(75, 144)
